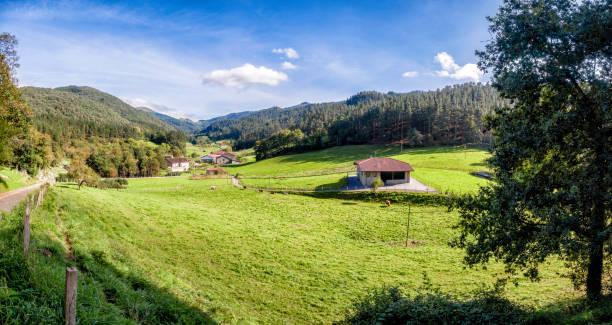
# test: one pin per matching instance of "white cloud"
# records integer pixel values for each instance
(288, 66)
(289, 52)
(241, 76)
(452, 70)
(410, 74)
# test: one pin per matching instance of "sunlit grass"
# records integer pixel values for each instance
(444, 168)
(257, 257)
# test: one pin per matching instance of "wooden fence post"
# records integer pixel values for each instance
(70, 295)
(26, 227)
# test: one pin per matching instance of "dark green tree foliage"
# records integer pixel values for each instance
(20, 145)
(280, 142)
(452, 115)
(127, 159)
(553, 147)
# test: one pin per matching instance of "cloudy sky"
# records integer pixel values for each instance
(204, 60)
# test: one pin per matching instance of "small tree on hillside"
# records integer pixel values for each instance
(81, 173)
(376, 184)
(551, 158)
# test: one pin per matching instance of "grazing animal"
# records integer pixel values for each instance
(260, 191)
(212, 188)
(388, 203)
(244, 187)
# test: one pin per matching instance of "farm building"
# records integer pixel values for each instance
(390, 171)
(177, 164)
(209, 158)
(221, 158)
(215, 171)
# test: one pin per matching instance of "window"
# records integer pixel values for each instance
(398, 175)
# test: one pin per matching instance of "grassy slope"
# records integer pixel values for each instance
(245, 255)
(445, 168)
(14, 179)
(333, 181)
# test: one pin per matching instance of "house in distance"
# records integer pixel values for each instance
(177, 164)
(221, 158)
(390, 171)
(215, 171)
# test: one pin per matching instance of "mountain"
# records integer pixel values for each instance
(183, 124)
(189, 126)
(452, 115)
(78, 112)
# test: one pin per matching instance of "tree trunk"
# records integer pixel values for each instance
(594, 272)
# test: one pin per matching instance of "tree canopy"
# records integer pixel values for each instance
(552, 155)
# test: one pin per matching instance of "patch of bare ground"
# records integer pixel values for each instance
(406, 244)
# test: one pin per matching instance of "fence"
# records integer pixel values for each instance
(32, 202)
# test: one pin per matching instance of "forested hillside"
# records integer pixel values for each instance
(99, 133)
(452, 115)
(70, 112)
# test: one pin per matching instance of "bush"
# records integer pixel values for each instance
(392, 306)
(376, 184)
(116, 183)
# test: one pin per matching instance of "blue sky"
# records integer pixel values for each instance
(200, 60)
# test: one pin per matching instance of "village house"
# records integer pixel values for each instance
(215, 171)
(390, 171)
(177, 164)
(221, 158)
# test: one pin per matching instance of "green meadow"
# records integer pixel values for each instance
(172, 250)
(14, 180)
(448, 169)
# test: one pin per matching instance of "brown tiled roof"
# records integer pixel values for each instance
(177, 160)
(222, 153)
(383, 165)
(229, 156)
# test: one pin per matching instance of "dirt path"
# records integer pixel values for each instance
(10, 199)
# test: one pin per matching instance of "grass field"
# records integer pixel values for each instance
(444, 168)
(323, 182)
(14, 180)
(240, 255)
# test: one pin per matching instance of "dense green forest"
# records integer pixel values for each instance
(452, 115)
(76, 112)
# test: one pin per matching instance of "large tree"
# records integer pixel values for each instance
(552, 156)
(13, 111)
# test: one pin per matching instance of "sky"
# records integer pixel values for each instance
(201, 60)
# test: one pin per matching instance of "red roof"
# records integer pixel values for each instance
(383, 165)
(222, 153)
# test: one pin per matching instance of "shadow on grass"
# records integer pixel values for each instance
(337, 185)
(390, 305)
(35, 285)
(383, 196)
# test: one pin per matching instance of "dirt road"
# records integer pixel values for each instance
(10, 199)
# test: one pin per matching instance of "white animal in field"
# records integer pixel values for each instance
(212, 188)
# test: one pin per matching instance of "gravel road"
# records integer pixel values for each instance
(10, 199)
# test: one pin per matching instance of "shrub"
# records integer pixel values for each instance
(376, 184)
(392, 306)
(116, 183)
